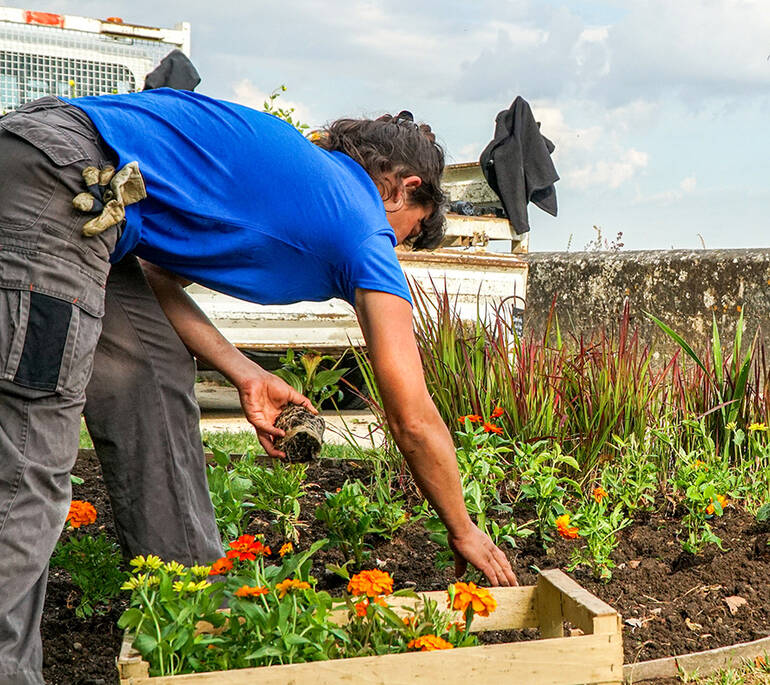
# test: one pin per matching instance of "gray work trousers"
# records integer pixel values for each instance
(52, 301)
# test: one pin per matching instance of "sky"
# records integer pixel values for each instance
(659, 109)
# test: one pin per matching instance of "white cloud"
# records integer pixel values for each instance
(246, 93)
(686, 187)
(610, 173)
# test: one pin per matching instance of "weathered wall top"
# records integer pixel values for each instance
(684, 288)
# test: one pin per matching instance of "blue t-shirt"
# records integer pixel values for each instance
(239, 201)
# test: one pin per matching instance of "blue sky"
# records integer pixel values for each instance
(659, 108)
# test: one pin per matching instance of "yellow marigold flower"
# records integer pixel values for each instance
(371, 583)
(152, 581)
(249, 591)
(290, 584)
(138, 562)
(174, 567)
(153, 562)
(288, 548)
(190, 586)
(757, 427)
(731, 426)
(429, 643)
(469, 595)
(131, 584)
(599, 494)
(200, 571)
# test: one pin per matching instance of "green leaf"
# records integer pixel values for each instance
(679, 341)
(145, 643)
(265, 651)
(130, 618)
(76, 480)
(763, 514)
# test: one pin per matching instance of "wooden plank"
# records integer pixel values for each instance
(130, 663)
(515, 608)
(549, 611)
(703, 662)
(578, 606)
(562, 661)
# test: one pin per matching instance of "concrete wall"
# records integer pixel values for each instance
(681, 287)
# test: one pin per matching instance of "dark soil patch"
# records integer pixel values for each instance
(674, 604)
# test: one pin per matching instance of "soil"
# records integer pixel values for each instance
(671, 603)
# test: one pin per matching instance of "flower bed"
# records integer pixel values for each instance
(594, 656)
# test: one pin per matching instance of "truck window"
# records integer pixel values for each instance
(25, 77)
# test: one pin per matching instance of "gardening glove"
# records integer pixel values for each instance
(109, 201)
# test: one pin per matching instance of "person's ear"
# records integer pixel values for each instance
(408, 185)
(412, 183)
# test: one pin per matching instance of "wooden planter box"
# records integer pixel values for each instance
(595, 657)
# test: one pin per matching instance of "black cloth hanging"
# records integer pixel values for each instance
(517, 164)
(174, 71)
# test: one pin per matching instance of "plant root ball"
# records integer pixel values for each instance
(304, 434)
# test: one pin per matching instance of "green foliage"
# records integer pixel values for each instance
(277, 491)
(349, 516)
(308, 376)
(545, 482)
(95, 566)
(598, 528)
(286, 620)
(270, 105)
(231, 494)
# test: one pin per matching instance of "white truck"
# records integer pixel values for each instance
(54, 54)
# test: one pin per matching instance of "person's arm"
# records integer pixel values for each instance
(262, 393)
(421, 435)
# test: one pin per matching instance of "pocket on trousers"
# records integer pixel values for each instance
(57, 347)
(12, 323)
(32, 156)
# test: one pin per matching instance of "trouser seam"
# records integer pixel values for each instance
(19, 476)
(178, 492)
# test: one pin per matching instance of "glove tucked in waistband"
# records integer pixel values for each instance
(108, 194)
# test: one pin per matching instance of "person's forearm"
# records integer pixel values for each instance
(430, 454)
(194, 328)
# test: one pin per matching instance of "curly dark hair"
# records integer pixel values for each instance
(395, 144)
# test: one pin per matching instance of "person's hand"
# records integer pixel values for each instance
(476, 548)
(263, 396)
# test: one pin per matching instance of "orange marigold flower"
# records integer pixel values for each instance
(473, 418)
(245, 548)
(429, 643)
(288, 548)
(249, 591)
(599, 494)
(361, 608)
(722, 503)
(492, 428)
(371, 583)
(564, 529)
(81, 513)
(497, 412)
(409, 620)
(290, 584)
(221, 566)
(470, 595)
